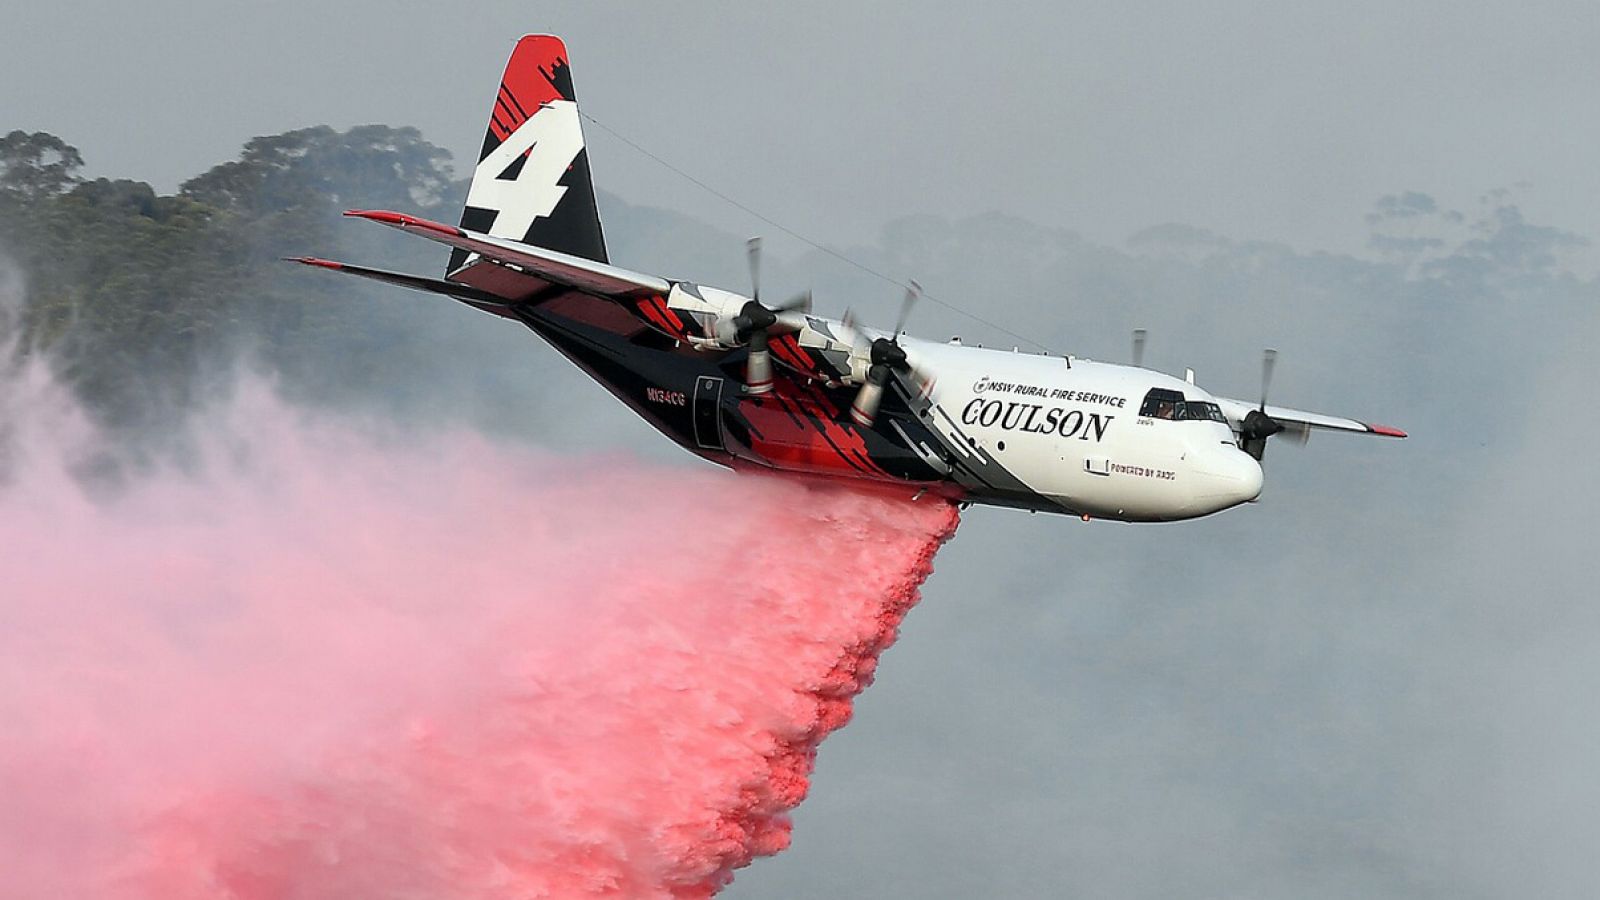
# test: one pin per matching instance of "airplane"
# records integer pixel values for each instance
(748, 384)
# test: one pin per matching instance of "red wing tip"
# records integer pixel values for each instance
(399, 220)
(1386, 431)
(314, 261)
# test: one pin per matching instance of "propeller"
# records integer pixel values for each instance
(755, 323)
(913, 294)
(1257, 425)
(1139, 335)
(883, 357)
(752, 252)
(1269, 361)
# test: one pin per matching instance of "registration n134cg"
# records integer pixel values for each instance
(744, 382)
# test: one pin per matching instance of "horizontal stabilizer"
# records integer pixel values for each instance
(415, 282)
(465, 293)
(586, 275)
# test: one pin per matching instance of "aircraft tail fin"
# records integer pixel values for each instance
(532, 181)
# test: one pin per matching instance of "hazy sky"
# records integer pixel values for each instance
(1378, 681)
(1280, 121)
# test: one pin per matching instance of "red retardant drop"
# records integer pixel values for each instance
(318, 663)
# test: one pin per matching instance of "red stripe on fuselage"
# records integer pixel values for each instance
(655, 311)
(798, 427)
(787, 350)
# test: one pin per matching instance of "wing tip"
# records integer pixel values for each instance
(315, 261)
(399, 220)
(1386, 431)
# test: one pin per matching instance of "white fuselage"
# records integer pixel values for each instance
(1047, 433)
(1071, 432)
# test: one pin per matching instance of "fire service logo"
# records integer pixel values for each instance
(986, 385)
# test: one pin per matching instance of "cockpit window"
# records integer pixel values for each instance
(1162, 403)
(1199, 410)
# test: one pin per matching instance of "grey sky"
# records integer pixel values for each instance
(1378, 681)
(1255, 119)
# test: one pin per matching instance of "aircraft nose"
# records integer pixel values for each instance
(1247, 478)
(1232, 476)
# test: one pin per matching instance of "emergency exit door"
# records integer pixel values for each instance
(708, 412)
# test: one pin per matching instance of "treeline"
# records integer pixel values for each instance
(143, 300)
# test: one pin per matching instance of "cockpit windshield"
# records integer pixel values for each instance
(1162, 403)
(1202, 411)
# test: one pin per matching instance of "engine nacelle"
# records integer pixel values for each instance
(712, 310)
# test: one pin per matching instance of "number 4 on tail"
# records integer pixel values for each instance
(521, 195)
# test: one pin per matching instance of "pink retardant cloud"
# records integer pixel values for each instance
(319, 663)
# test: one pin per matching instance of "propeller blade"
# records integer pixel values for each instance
(753, 252)
(1257, 425)
(923, 381)
(883, 358)
(865, 408)
(798, 303)
(847, 332)
(758, 367)
(1269, 359)
(1139, 335)
(913, 291)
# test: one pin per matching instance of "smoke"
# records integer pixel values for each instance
(327, 662)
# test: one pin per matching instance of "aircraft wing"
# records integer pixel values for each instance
(467, 294)
(586, 275)
(1299, 423)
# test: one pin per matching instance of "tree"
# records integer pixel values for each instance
(37, 166)
(312, 167)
